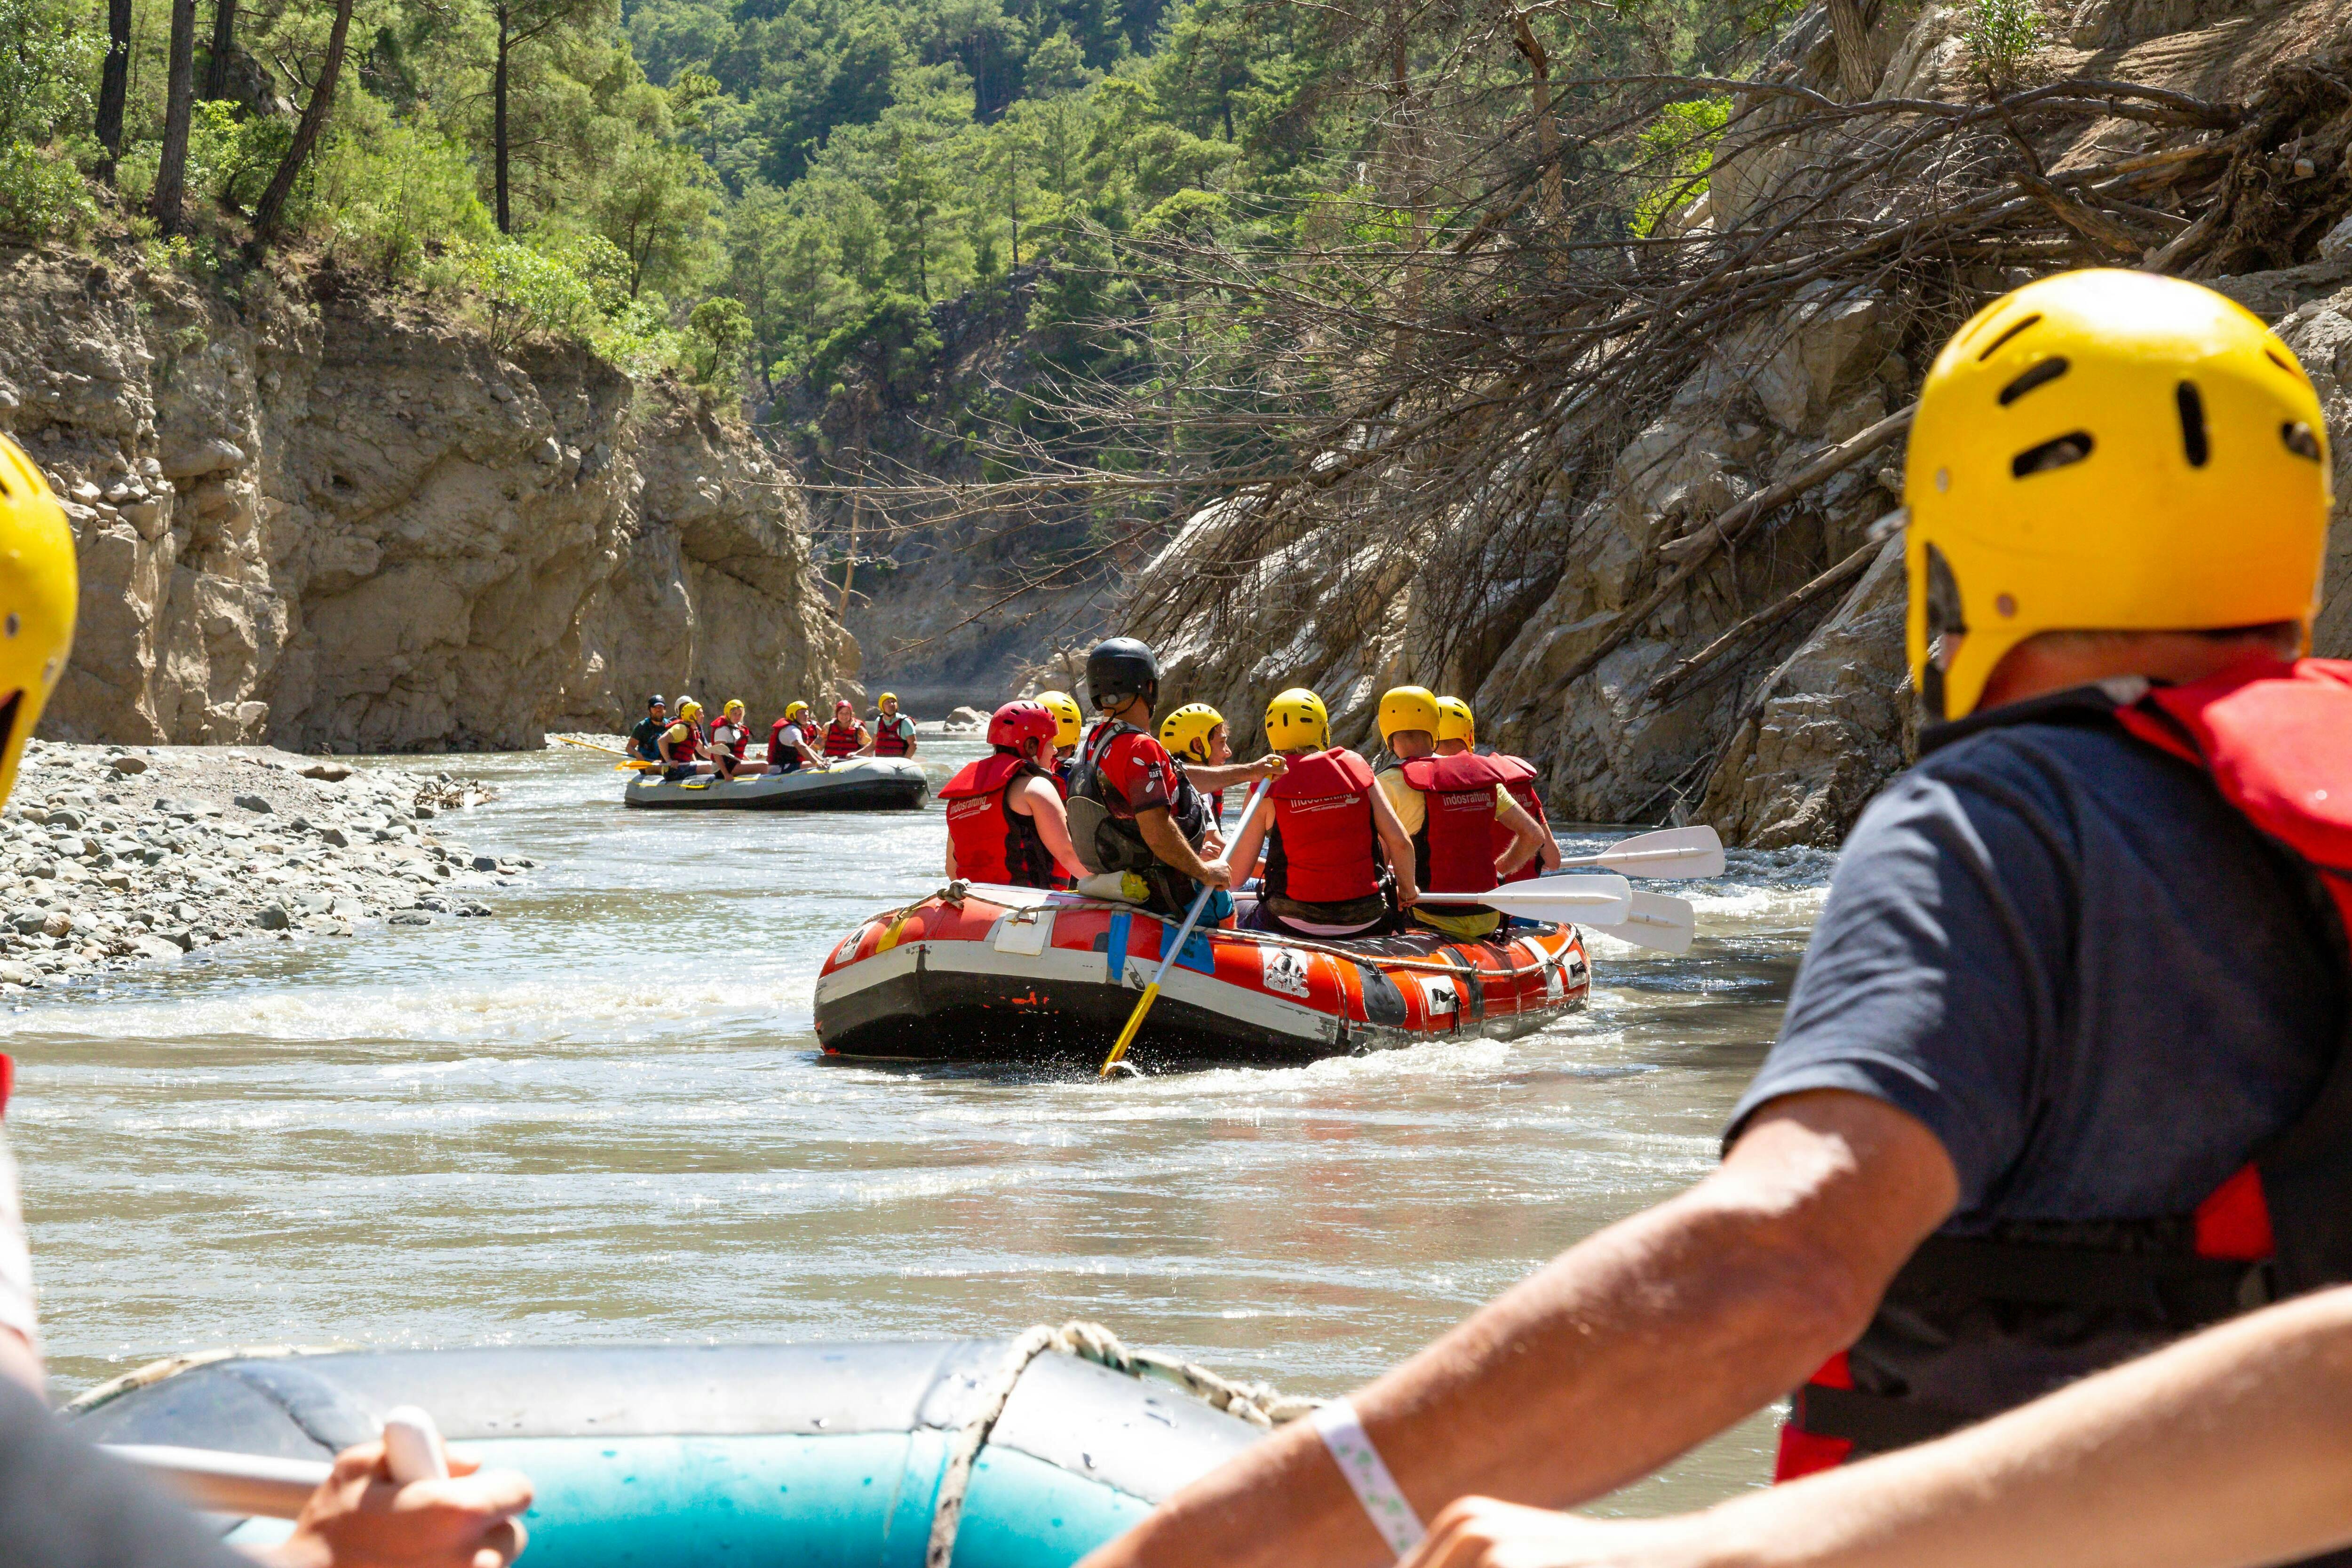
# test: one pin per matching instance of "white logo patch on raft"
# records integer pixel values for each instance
(1441, 996)
(1284, 971)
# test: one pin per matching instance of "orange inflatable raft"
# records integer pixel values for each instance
(986, 973)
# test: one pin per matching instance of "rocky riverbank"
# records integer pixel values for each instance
(112, 855)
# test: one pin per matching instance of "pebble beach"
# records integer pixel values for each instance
(112, 856)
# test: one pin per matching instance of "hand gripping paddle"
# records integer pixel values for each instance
(254, 1485)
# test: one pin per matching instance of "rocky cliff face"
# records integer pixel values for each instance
(337, 521)
(1782, 739)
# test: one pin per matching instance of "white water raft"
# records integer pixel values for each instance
(860, 783)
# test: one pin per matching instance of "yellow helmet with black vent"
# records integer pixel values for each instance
(1185, 733)
(1408, 707)
(39, 593)
(1297, 721)
(2107, 451)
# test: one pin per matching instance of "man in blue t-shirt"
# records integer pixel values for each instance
(2061, 995)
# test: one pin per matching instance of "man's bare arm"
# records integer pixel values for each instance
(1622, 1353)
(2229, 1449)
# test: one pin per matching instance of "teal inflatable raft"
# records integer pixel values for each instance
(966, 1454)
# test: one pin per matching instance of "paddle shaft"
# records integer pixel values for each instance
(217, 1482)
(591, 745)
(1151, 992)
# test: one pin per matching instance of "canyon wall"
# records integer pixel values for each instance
(1783, 741)
(318, 514)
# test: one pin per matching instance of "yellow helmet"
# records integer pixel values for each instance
(1297, 721)
(1454, 722)
(687, 708)
(40, 592)
(2107, 451)
(1065, 710)
(734, 705)
(1188, 727)
(887, 696)
(1408, 707)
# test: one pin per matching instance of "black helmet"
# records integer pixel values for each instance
(1120, 669)
(656, 701)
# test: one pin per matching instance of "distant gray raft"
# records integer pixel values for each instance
(861, 784)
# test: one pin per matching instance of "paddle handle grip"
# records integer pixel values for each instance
(247, 1485)
(411, 1447)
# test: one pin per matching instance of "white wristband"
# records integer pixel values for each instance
(1351, 1449)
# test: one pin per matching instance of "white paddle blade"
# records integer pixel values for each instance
(1674, 852)
(1587, 900)
(1655, 922)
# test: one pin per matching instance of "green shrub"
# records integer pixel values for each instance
(41, 196)
(383, 194)
(1678, 147)
(231, 158)
(524, 294)
(717, 333)
(2001, 35)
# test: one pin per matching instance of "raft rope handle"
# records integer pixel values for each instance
(1384, 1503)
(1257, 1403)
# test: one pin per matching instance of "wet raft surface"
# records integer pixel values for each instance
(604, 1118)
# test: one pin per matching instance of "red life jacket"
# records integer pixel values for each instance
(1453, 852)
(780, 742)
(1519, 778)
(888, 742)
(728, 738)
(683, 751)
(1321, 849)
(840, 742)
(2277, 741)
(994, 843)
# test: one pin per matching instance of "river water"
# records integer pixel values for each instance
(602, 1117)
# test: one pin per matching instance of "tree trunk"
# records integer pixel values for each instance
(115, 82)
(179, 98)
(1540, 105)
(268, 216)
(224, 40)
(849, 562)
(1854, 77)
(499, 123)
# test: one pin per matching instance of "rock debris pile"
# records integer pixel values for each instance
(112, 856)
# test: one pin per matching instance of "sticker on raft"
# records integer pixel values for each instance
(1441, 996)
(1284, 970)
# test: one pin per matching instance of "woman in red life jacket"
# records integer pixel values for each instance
(1450, 806)
(681, 743)
(894, 732)
(1457, 733)
(790, 743)
(729, 739)
(845, 737)
(1006, 821)
(1325, 827)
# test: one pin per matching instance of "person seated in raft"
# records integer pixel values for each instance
(894, 732)
(1196, 739)
(1449, 805)
(1457, 734)
(645, 740)
(791, 746)
(1124, 791)
(846, 736)
(681, 743)
(730, 740)
(1005, 820)
(1326, 827)
(1071, 726)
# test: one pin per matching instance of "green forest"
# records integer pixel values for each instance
(754, 193)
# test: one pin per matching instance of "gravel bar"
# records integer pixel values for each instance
(115, 856)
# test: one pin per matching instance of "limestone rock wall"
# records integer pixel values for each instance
(336, 520)
(1785, 742)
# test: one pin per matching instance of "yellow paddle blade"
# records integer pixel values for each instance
(1135, 1021)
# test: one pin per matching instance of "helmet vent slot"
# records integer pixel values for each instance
(2042, 375)
(2273, 355)
(2192, 424)
(2300, 440)
(2058, 454)
(1992, 347)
